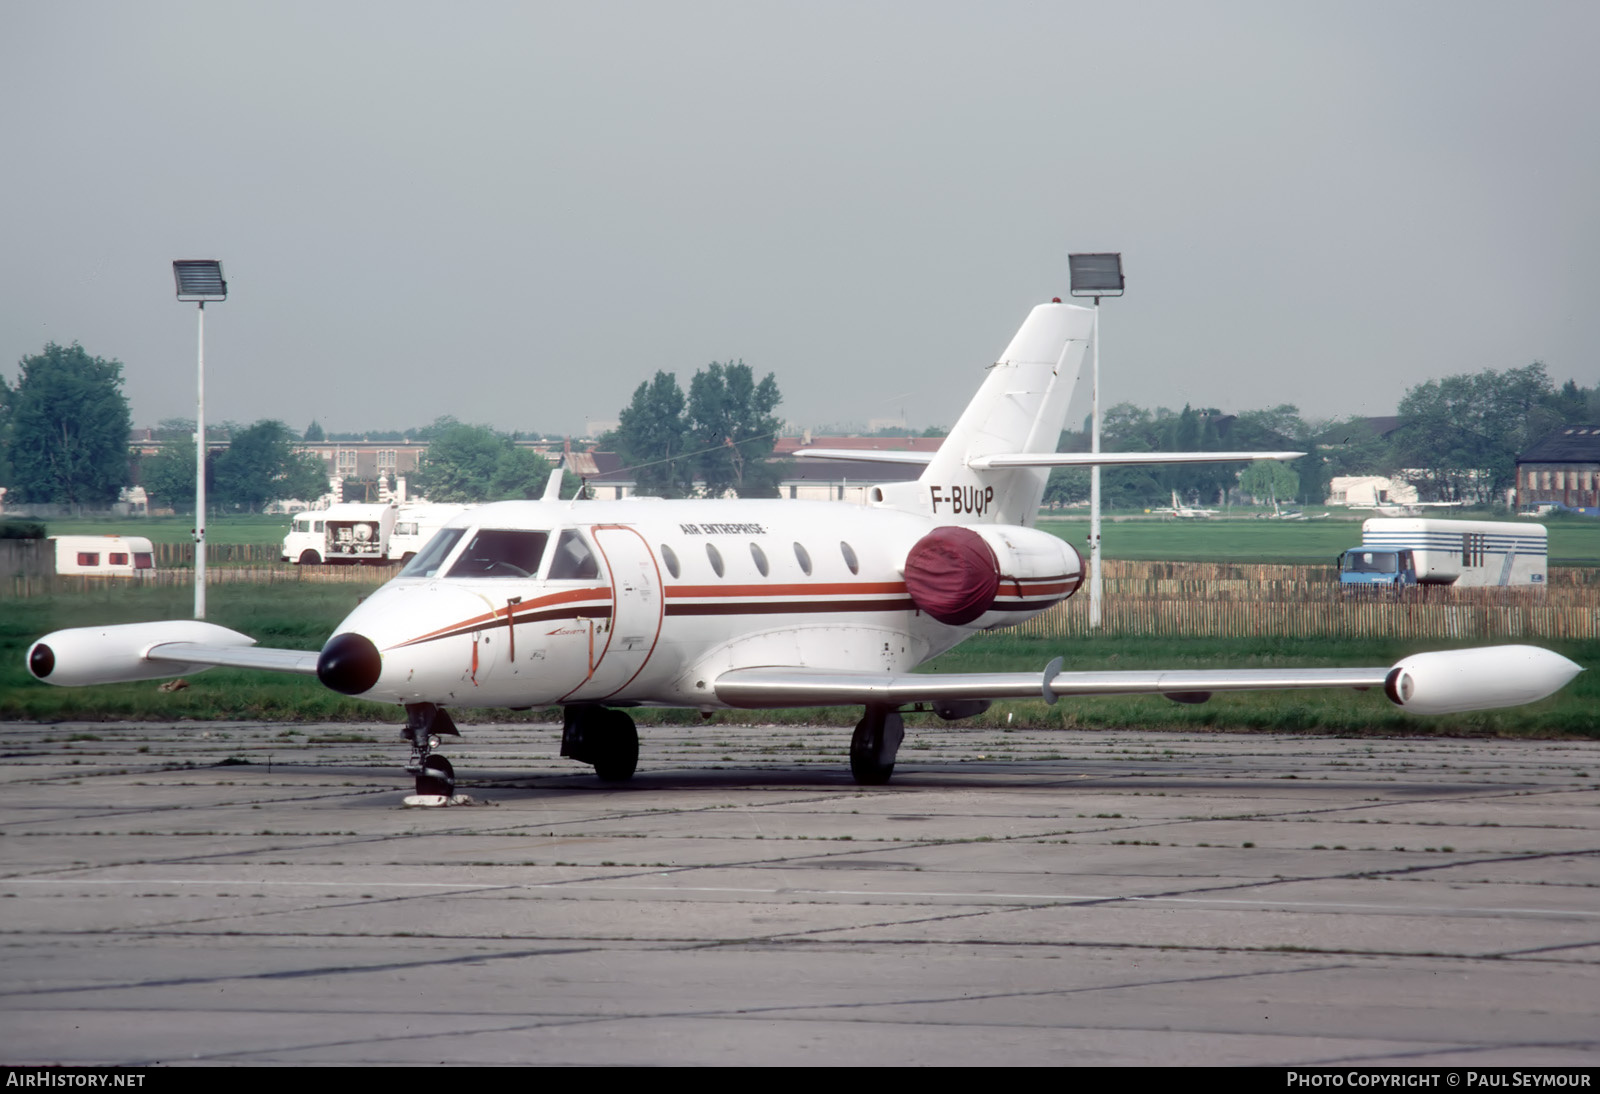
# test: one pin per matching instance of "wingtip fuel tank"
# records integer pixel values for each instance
(1453, 681)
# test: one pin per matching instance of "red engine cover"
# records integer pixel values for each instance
(952, 575)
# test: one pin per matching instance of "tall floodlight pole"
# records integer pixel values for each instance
(200, 280)
(1095, 275)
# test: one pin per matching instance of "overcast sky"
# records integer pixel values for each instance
(515, 213)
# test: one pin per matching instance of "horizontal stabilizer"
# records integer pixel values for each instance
(1116, 459)
(867, 455)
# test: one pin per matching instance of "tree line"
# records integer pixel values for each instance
(1456, 439)
(64, 430)
(716, 440)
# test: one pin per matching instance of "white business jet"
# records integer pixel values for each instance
(600, 606)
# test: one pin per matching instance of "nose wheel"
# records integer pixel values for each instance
(436, 778)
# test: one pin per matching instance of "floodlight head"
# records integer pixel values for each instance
(199, 279)
(1096, 274)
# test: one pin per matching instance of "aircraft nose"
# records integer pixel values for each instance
(349, 663)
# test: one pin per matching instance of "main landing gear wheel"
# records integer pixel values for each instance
(605, 738)
(874, 746)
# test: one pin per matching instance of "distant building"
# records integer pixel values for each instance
(132, 501)
(841, 480)
(1365, 490)
(1563, 469)
(367, 459)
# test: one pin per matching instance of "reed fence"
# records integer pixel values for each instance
(1235, 600)
(24, 585)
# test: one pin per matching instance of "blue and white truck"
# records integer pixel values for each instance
(1397, 552)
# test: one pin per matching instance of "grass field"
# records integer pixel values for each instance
(236, 529)
(303, 616)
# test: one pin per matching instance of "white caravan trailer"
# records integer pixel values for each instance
(1461, 552)
(107, 556)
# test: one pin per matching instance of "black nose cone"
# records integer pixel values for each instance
(42, 661)
(349, 663)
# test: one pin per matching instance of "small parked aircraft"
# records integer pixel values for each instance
(706, 604)
(1181, 511)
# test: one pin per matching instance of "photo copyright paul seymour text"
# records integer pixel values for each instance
(1467, 1079)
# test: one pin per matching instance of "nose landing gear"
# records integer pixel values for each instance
(436, 778)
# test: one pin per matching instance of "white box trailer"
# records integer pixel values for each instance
(347, 532)
(1461, 552)
(416, 523)
(107, 556)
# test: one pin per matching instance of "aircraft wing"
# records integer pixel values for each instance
(769, 687)
(1424, 683)
(303, 662)
(149, 651)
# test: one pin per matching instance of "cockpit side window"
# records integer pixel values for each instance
(573, 560)
(432, 556)
(498, 552)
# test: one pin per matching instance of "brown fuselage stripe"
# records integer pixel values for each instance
(543, 609)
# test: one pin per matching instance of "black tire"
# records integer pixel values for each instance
(438, 777)
(309, 557)
(618, 755)
(868, 772)
(864, 765)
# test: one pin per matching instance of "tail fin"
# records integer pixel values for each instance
(1020, 408)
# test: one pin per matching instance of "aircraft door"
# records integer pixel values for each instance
(636, 610)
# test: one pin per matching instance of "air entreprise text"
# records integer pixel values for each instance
(1468, 1079)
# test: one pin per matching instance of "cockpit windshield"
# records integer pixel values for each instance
(1371, 562)
(497, 552)
(432, 556)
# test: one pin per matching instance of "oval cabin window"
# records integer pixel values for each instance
(761, 558)
(803, 557)
(670, 558)
(715, 556)
(849, 554)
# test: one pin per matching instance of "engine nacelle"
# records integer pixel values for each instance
(990, 575)
(116, 654)
(1451, 681)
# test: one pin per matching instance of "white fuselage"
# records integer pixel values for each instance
(645, 601)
